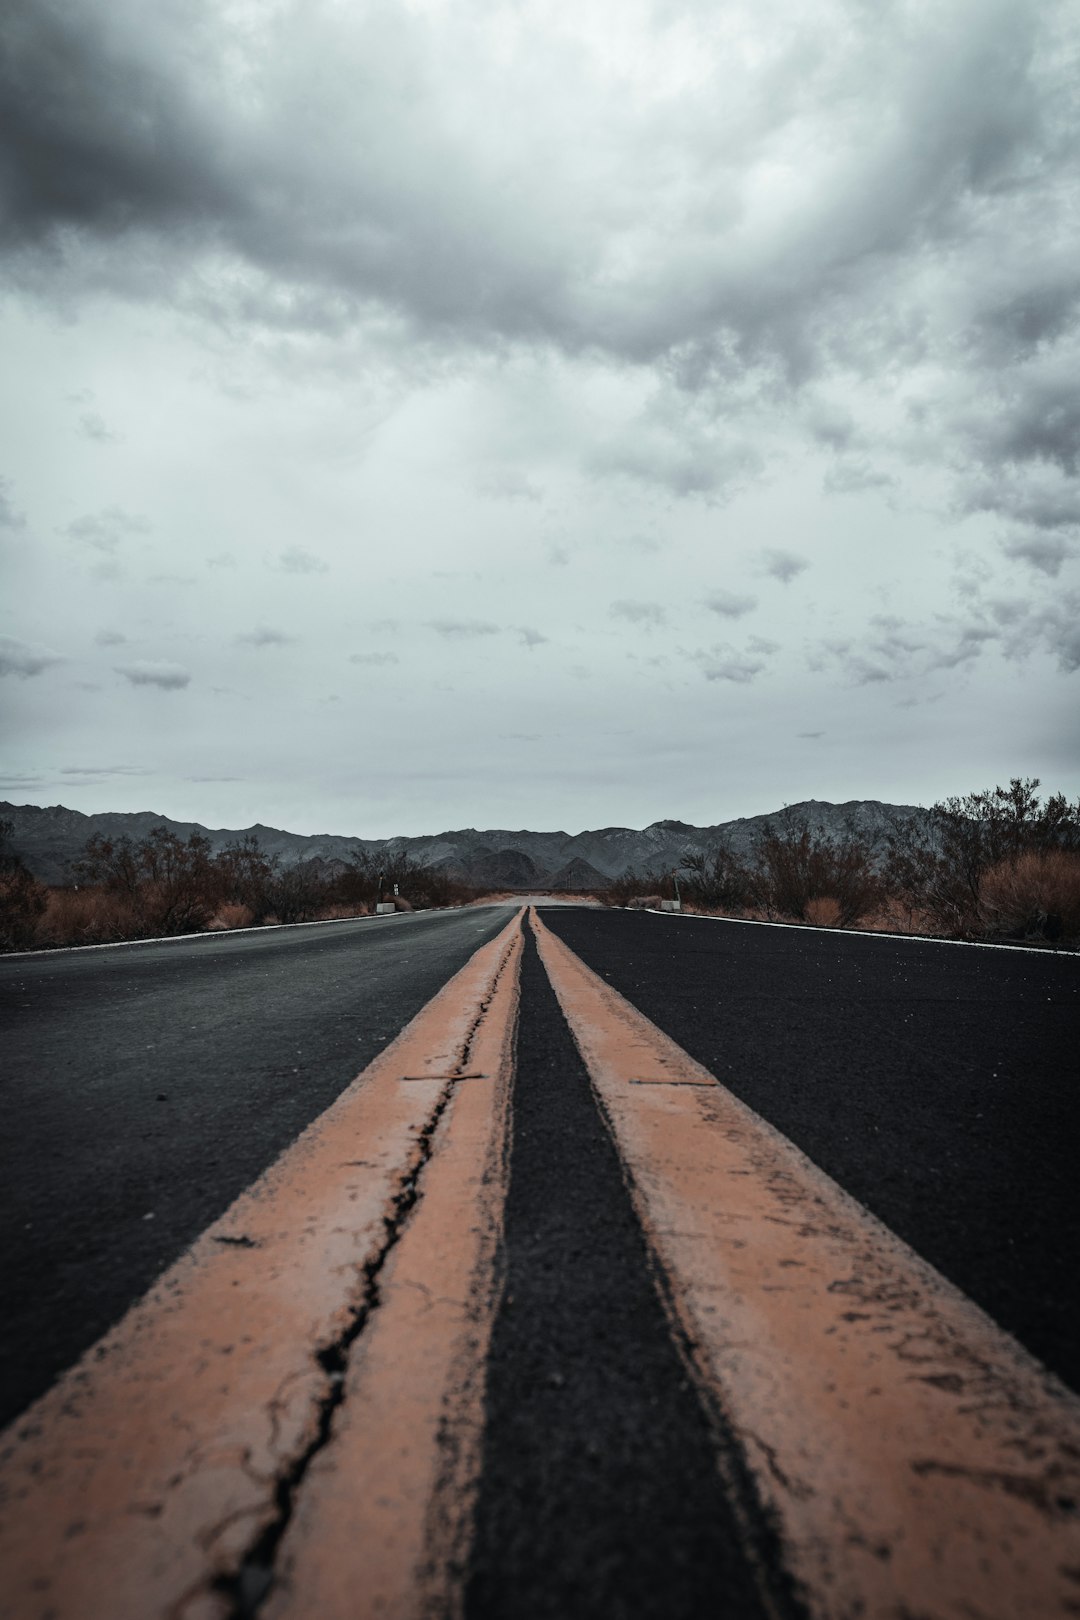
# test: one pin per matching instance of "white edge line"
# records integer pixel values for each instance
(861, 933)
(253, 928)
(217, 933)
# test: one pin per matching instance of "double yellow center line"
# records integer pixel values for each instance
(304, 1388)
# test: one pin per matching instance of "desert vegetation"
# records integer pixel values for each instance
(163, 884)
(999, 864)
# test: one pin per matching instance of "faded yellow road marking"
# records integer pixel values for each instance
(149, 1471)
(384, 1522)
(917, 1460)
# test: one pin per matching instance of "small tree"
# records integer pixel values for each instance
(247, 875)
(794, 867)
(717, 879)
(113, 863)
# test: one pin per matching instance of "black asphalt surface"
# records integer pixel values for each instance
(599, 1492)
(939, 1084)
(145, 1086)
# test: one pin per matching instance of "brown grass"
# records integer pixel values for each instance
(231, 915)
(1036, 895)
(823, 911)
(85, 917)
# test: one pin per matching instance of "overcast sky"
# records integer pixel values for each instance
(431, 413)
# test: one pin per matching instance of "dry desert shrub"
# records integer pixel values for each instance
(1037, 895)
(231, 915)
(88, 916)
(822, 911)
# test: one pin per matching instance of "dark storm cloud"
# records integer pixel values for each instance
(1045, 552)
(1038, 422)
(178, 125)
(1035, 315)
(296, 560)
(106, 531)
(725, 664)
(782, 565)
(867, 244)
(1017, 627)
(314, 168)
(730, 605)
(462, 629)
(24, 658)
(104, 771)
(94, 427)
(1041, 496)
(155, 672)
(646, 615)
(97, 131)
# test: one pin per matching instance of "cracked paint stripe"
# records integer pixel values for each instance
(383, 1526)
(142, 1483)
(916, 1460)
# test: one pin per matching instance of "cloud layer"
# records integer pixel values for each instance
(466, 360)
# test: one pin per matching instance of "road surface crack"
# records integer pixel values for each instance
(249, 1587)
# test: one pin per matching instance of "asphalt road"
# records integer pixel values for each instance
(599, 1490)
(939, 1084)
(145, 1086)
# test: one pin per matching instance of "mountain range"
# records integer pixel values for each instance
(49, 839)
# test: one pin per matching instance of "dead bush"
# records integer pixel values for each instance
(823, 911)
(795, 867)
(1035, 896)
(718, 881)
(88, 916)
(231, 915)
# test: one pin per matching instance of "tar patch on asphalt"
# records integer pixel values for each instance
(600, 1492)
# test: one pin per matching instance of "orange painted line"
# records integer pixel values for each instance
(384, 1523)
(145, 1475)
(915, 1458)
